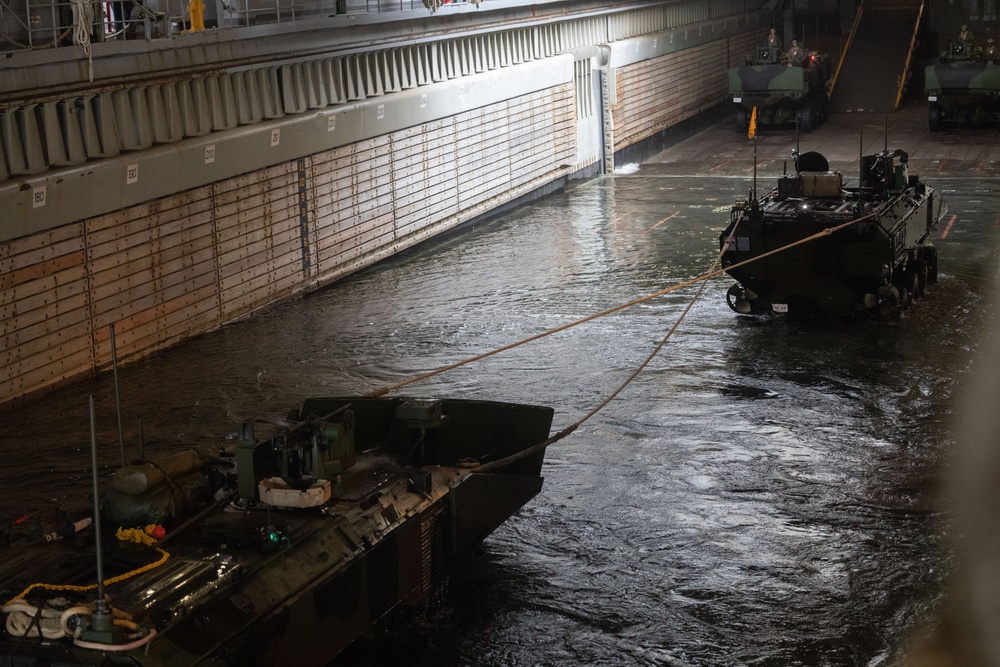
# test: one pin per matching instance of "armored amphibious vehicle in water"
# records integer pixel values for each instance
(276, 549)
(870, 256)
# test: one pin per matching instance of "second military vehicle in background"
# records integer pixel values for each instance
(963, 89)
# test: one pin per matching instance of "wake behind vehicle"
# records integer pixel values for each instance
(874, 259)
(783, 92)
(278, 549)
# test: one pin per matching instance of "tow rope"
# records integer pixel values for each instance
(714, 270)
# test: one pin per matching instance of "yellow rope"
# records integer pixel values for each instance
(136, 535)
(713, 271)
(499, 463)
(711, 274)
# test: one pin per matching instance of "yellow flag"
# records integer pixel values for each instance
(753, 124)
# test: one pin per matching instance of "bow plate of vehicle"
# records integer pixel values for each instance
(871, 256)
(278, 548)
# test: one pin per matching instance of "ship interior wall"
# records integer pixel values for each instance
(186, 262)
(665, 98)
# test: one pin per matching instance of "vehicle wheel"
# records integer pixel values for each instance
(822, 108)
(737, 299)
(931, 262)
(742, 120)
(905, 299)
(934, 117)
(919, 269)
(805, 116)
(888, 304)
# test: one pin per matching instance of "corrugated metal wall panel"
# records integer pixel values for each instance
(44, 304)
(184, 264)
(539, 134)
(484, 154)
(148, 269)
(352, 200)
(657, 93)
(258, 238)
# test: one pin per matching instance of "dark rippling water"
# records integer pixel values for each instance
(764, 494)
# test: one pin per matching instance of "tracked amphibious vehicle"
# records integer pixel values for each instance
(871, 255)
(783, 93)
(963, 89)
(278, 549)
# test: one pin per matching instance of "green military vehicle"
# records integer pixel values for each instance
(815, 246)
(963, 89)
(783, 92)
(277, 549)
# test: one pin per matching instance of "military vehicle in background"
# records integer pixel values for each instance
(782, 92)
(962, 89)
(868, 254)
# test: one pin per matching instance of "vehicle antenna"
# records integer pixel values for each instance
(796, 141)
(752, 133)
(886, 164)
(118, 403)
(861, 165)
(103, 620)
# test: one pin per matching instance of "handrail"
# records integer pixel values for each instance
(37, 24)
(903, 79)
(850, 38)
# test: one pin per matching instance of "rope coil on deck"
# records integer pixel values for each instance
(58, 617)
(135, 535)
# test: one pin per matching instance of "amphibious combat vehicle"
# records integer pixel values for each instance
(962, 89)
(782, 92)
(870, 254)
(277, 549)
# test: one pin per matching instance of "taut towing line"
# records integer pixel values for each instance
(816, 246)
